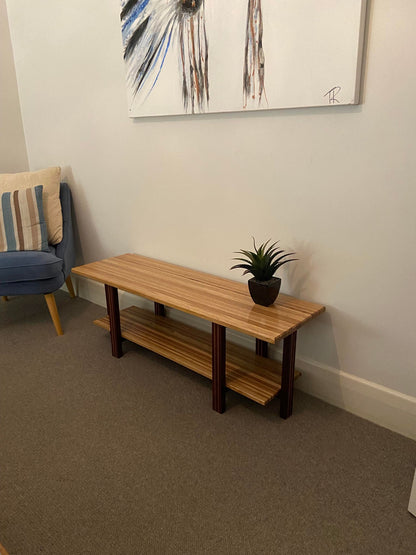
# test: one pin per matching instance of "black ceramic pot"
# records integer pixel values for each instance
(264, 292)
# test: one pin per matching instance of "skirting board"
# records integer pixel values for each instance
(412, 500)
(381, 405)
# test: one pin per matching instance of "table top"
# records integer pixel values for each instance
(216, 299)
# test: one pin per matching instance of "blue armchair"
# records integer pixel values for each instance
(38, 272)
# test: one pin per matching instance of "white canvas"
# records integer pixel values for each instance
(194, 56)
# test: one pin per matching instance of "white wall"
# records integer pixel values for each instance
(336, 185)
(13, 155)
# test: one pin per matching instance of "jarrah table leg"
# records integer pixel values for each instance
(160, 309)
(218, 368)
(288, 375)
(111, 295)
(262, 348)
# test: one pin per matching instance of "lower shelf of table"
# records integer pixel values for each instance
(253, 376)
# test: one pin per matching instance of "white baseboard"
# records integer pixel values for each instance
(381, 405)
(412, 500)
(89, 290)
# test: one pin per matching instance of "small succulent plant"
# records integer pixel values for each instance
(264, 261)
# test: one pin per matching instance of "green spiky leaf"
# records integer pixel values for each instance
(264, 261)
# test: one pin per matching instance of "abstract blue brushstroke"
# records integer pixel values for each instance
(133, 14)
(149, 29)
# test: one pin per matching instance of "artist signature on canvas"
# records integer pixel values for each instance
(332, 95)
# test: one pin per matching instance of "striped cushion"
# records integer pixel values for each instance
(22, 223)
(50, 179)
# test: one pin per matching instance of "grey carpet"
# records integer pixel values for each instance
(125, 456)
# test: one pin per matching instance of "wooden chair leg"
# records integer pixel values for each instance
(53, 311)
(5, 298)
(68, 282)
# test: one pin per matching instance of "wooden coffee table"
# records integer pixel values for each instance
(223, 302)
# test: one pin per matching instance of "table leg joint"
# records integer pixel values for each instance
(262, 348)
(288, 375)
(160, 309)
(111, 295)
(218, 367)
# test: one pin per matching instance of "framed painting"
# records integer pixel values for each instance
(201, 56)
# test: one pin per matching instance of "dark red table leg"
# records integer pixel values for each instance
(111, 295)
(160, 309)
(288, 375)
(262, 348)
(218, 367)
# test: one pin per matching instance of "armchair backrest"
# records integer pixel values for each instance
(65, 249)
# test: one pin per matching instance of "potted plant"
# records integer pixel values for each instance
(262, 263)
